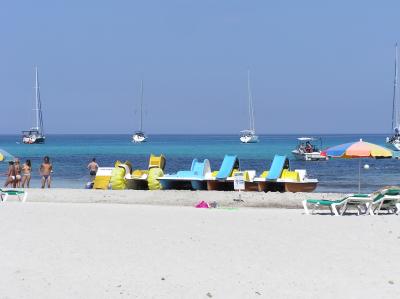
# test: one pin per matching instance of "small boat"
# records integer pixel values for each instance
(307, 149)
(223, 179)
(394, 140)
(140, 136)
(249, 136)
(35, 134)
(280, 178)
(147, 179)
(193, 179)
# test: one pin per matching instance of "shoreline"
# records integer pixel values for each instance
(229, 199)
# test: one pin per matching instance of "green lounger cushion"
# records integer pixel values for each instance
(12, 192)
(323, 202)
(392, 192)
(327, 202)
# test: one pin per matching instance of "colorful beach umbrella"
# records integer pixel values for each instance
(359, 149)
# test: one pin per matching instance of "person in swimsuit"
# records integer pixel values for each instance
(17, 173)
(10, 175)
(45, 171)
(93, 167)
(26, 174)
(309, 147)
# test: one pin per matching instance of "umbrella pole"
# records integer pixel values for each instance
(359, 176)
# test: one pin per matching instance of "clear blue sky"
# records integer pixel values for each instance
(316, 67)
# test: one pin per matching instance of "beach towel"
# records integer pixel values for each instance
(202, 205)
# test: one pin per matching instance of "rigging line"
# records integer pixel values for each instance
(249, 99)
(395, 114)
(141, 105)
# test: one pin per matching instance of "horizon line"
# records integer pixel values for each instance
(210, 134)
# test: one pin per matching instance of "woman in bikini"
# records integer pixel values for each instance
(26, 174)
(10, 175)
(45, 171)
(17, 173)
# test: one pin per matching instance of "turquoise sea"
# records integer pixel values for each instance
(71, 153)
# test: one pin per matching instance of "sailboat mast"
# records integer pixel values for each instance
(251, 108)
(252, 113)
(141, 105)
(37, 97)
(249, 98)
(395, 116)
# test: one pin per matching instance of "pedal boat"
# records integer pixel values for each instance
(281, 179)
(138, 180)
(193, 179)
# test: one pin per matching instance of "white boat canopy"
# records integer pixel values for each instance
(307, 139)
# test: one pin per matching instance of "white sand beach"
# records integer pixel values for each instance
(72, 249)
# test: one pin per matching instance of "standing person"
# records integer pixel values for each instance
(10, 175)
(17, 173)
(26, 174)
(93, 167)
(45, 171)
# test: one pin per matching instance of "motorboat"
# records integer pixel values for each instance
(35, 134)
(249, 136)
(139, 136)
(307, 149)
(394, 140)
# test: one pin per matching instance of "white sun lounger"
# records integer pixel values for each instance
(339, 207)
(21, 194)
(390, 202)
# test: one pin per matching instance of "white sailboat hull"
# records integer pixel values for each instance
(249, 139)
(33, 139)
(394, 143)
(138, 138)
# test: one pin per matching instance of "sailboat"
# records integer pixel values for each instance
(139, 136)
(394, 140)
(35, 134)
(249, 135)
